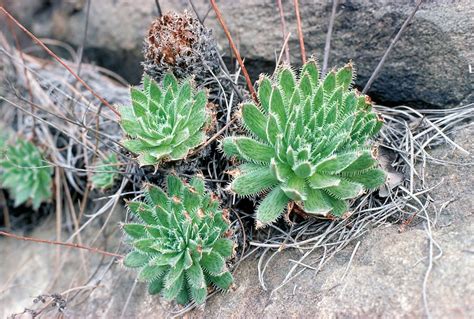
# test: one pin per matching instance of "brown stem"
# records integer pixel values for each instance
(300, 31)
(234, 49)
(59, 243)
(51, 53)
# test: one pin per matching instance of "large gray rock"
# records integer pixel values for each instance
(429, 66)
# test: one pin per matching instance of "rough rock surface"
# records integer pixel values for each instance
(429, 66)
(384, 279)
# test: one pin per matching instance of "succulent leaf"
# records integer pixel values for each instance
(272, 206)
(164, 123)
(135, 259)
(25, 173)
(222, 281)
(106, 172)
(253, 150)
(179, 247)
(370, 179)
(310, 138)
(155, 286)
(264, 92)
(344, 76)
(255, 121)
(254, 181)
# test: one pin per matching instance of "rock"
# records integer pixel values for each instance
(429, 66)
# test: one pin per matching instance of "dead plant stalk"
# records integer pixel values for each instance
(234, 49)
(59, 243)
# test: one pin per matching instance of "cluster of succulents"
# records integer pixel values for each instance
(25, 173)
(308, 143)
(165, 122)
(179, 242)
(181, 45)
(105, 172)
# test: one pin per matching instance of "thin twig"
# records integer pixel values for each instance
(222, 64)
(327, 46)
(350, 261)
(300, 31)
(25, 73)
(59, 212)
(214, 136)
(191, 3)
(79, 124)
(158, 8)
(53, 242)
(129, 297)
(390, 47)
(51, 53)
(84, 38)
(6, 212)
(283, 31)
(428, 270)
(234, 49)
(285, 44)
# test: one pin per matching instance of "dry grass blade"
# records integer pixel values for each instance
(327, 46)
(390, 47)
(283, 31)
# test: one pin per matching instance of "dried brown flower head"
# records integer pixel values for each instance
(180, 44)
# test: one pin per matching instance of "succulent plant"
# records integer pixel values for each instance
(180, 44)
(5, 135)
(106, 172)
(308, 143)
(3, 143)
(25, 174)
(164, 122)
(179, 243)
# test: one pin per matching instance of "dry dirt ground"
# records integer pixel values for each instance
(384, 279)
